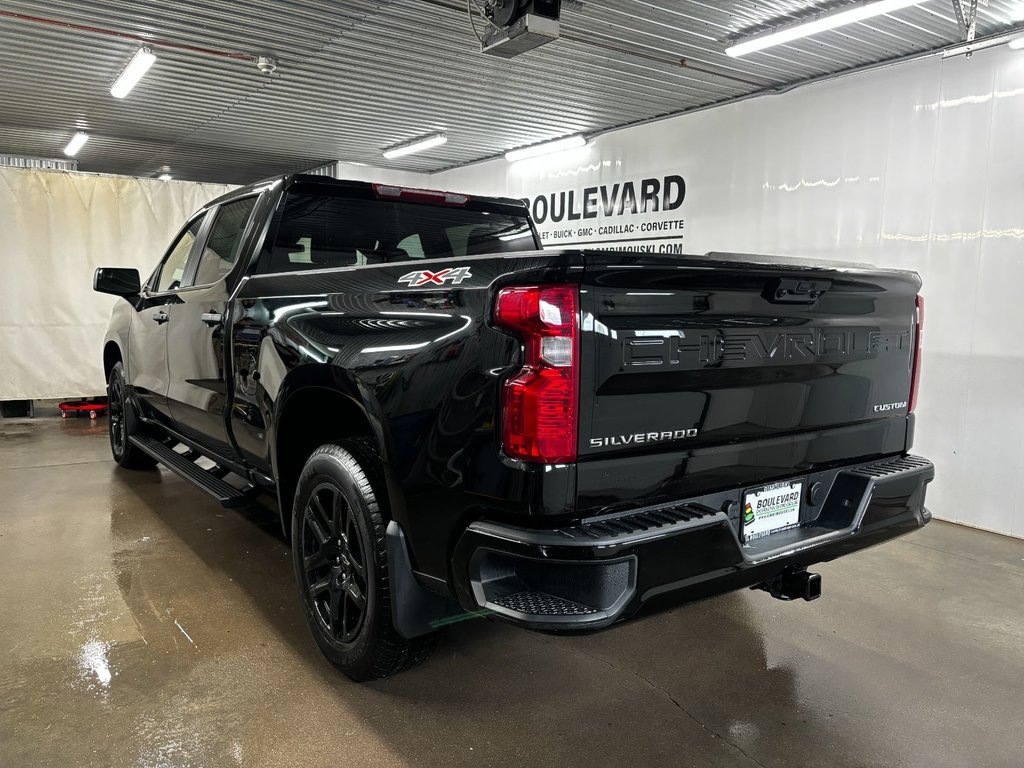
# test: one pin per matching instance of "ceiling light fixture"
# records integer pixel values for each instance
(130, 76)
(558, 145)
(819, 23)
(980, 44)
(76, 143)
(416, 145)
(165, 177)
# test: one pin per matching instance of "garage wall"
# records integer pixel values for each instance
(55, 229)
(917, 166)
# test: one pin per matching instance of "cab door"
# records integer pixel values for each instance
(196, 337)
(147, 338)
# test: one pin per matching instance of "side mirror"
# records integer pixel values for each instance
(119, 281)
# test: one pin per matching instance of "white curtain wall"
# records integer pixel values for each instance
(56, 227)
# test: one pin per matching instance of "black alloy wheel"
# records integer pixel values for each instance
(116, 425)
(334, 559)
(340, 557)
(122, 424)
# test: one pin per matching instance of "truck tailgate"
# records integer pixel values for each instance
(736, 369)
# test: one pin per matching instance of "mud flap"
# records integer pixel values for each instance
(415, 610)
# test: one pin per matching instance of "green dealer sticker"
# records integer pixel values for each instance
(771, 509)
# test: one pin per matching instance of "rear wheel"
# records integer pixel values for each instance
(122, 424)
(339, 553)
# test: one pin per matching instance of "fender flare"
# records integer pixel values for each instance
(339, 383)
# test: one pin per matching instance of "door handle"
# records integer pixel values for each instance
(212, 319)
(161, 317)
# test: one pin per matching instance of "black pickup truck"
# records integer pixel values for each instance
(455, 421)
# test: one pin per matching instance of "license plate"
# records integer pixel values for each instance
(770, 509)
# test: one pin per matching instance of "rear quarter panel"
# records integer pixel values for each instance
(426, 366)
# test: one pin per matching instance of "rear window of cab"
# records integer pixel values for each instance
(319, 230)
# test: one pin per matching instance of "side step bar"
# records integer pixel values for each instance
(184, 466)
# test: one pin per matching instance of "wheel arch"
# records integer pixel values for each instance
(111, 356)
(315, 407)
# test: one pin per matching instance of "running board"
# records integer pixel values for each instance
(227, 494)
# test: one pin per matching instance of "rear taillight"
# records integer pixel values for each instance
(915, 377)
(540, 402)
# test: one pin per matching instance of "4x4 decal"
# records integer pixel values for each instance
(442, 276)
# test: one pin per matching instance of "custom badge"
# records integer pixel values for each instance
(442, 276)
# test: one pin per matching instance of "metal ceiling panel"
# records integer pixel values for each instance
(359, 76)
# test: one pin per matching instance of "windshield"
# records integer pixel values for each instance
(319, 231)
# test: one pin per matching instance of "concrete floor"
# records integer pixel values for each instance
(143, 625)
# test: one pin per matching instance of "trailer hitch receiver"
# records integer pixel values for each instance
(793, 584)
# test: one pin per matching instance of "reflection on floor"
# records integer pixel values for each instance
(143, 625)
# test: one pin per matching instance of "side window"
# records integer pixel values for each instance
(222, 246)
(458, 239)
(173, 269)
(300, 254)
(412, 246)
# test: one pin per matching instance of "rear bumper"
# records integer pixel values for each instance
(608, 568)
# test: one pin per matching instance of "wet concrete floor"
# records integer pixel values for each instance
(143, 625)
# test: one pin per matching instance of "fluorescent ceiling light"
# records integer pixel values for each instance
(165, 177)
(137, 67)
(558, 145)
(76, 143)
(820, 23)
(416, 145)
(986, 42)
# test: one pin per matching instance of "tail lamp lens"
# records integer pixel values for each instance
(540, 403)
(915, 378)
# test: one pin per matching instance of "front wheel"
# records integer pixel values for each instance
(340, 557)
(122, 424)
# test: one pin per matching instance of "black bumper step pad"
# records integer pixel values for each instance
(637, 522)
(542, 604)
(894, 466)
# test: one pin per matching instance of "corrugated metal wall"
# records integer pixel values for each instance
(57, 164)
(358, 76)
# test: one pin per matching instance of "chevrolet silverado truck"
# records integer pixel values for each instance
(455, 421)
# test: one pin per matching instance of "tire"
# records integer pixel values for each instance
(122, 424)
(339, 552)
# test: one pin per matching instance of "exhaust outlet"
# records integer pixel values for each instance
(793, 585)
